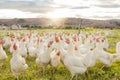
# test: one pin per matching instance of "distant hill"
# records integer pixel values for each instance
(115, 23)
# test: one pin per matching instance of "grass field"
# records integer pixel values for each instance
(34, 72)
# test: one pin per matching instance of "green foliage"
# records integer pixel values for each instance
(68, 27)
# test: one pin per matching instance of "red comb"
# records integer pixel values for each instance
(1, 41)
(39, 39)
(14, 46)
(48, 45)
(56, 39)
(58, 53)
(24, 39)
(75, 39)
(97, 40)
(75, 48)
(86, 35)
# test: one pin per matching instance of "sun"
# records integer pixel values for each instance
(57, 17)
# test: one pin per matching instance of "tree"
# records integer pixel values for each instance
(21, 21)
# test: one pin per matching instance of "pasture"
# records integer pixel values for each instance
(34, 72)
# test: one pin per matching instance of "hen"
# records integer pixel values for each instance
(17, 62)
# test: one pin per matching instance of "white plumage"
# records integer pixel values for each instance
(55, 58)
(22, 50)
(3, 55)
(7, 42)
(74, 64)
(17, 62)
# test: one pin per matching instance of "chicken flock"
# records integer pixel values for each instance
(76, 52)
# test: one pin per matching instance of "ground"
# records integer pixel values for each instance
(34, 72)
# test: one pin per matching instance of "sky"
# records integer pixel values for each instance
(90, 9)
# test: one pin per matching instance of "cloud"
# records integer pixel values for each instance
(103, 17)
(70, 7)
(108, 6)
(12, 13)
(41, 6)
(63, 8)
(16, 0)
(83, 7)
(107, 1)
(72, 3)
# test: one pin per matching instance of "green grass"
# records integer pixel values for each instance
(34, 72)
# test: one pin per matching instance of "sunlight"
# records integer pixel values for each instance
(57, 17)
(57, 21)
(57, 14)
(60, 13)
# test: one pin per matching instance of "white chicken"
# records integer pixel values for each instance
(7, 42)
(22, 49)
(85, 48)
(105, 43)
(74, 64)
(55, 59)
(17, 62)
(32, 50)
(3, 55)
(43, 59)
(11, 47)
(104, 57)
